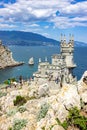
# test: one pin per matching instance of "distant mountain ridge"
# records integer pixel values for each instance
(25, 38)
(30, 39)
(81, 44)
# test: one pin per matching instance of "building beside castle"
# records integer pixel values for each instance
(62, 65)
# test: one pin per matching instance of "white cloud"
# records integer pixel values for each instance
(80, 19)
(36, 9)
(32, 11)
(65, 22)
(76, 9)
(34, 25)
(6, 26)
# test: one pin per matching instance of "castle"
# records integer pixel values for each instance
(62, 65)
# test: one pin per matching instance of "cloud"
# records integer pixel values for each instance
(80, 19)
(79, 8)
(34, 25)
(6, 26)
(62, 13)
(65, 22)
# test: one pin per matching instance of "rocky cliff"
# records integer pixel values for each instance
(46, 103)
(6, 59)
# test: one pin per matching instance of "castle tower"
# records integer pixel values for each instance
(67, 50)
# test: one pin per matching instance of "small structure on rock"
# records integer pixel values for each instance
(31, 61)
(61, 68)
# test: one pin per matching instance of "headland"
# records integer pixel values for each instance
(6, 59)
(53, 100)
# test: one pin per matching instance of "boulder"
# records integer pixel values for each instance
(57, 127)
(82, 87)
(69, 96)
(43, 90)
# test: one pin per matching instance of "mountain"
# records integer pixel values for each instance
(25, 38)
(80, 44)
(30, 39)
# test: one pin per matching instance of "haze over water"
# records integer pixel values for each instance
(23, 53)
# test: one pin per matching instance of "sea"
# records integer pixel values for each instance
(24, 53)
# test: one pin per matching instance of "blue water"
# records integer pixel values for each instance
(23, 53)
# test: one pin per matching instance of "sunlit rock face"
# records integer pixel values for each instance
(6, 59)
(82, 87)
(40, 93)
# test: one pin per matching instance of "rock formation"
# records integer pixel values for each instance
(6, 59)
(45, 103)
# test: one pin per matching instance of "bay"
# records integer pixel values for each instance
(23, 53)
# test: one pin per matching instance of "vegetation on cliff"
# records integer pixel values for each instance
(19, 100)
(74, 119)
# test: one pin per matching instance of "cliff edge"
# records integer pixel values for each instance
(42, 105)
(6, 59)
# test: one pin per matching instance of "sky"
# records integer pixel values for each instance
(46, 17)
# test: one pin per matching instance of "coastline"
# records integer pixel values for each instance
(6, 58)
(13, 65)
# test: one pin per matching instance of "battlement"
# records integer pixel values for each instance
(71, 37)
(63, 39)
(57, 56)
(67, 45)
(67, 48)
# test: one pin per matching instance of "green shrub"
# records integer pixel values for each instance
(11, 112)
(51, 127)
(13, 79)
(73, 113)
(43, 111)
(58, 121)
(10, 128)
(65, 125)
(18, 124)
(81, 122)
(19, 101)
(75, 119)
(22, 109)
(2, 94)
(82, 104)
(8, 81)
(43, 128)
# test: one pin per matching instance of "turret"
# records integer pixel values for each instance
(45, 59)
(39, 60)
(67, 50)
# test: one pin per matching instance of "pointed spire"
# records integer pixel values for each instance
(39, 60)
(72, 37)
(64, 38)
(61, 38)
(45, 59)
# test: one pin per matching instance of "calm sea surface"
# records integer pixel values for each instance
(23, 53)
